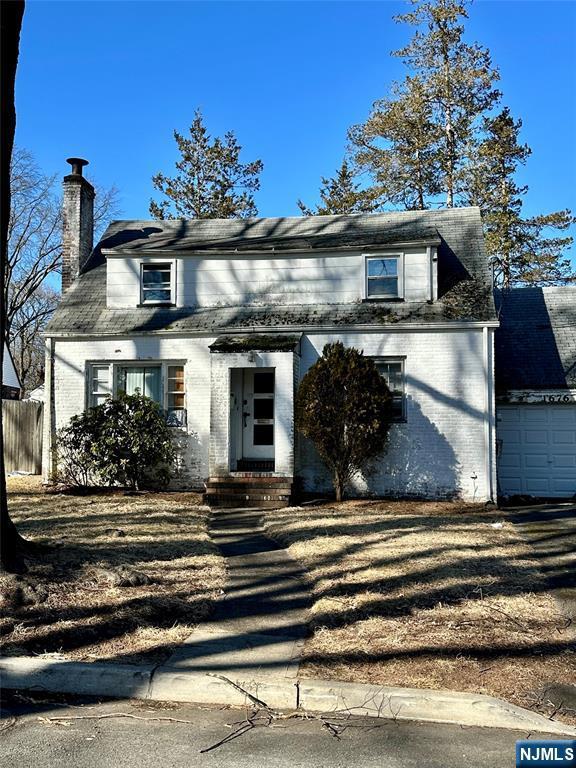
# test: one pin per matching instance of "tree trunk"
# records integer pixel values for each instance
(338, 486)
(11, 543)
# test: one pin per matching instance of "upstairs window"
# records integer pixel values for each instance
(393, 373)
(157, 284)
(383, 277)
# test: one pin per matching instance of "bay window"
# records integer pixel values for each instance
(161, 382)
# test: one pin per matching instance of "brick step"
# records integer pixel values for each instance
(249, 480)
(258, 487)
(223, 502)
(258, 495)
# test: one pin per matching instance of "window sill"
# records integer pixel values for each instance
(156, 304)
(388, 300)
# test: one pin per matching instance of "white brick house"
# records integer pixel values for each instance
(218, 320)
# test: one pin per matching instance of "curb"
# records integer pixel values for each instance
(170, 684)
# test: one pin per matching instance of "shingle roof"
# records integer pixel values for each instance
(536, 341)
(463, 274)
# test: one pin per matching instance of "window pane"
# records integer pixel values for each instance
(264, 383)
(156, 295)
(263, 408)
(100, 373)
(98, 399)
(155, 275)
(152, 384)
(383, 286)
(176, 417)
(131, 379)
(392, 372)
(175, 378)
(263, 434)
(382, 267)
(175, 400)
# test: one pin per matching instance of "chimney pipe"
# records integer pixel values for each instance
(77, 164)
(78, 222)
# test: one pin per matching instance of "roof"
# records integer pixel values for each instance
(259, 342)
(536, 342)
(463, 274)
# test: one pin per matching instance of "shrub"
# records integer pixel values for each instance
(345, 407)
(120, 442)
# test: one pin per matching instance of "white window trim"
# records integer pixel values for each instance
(113, 377)
(402, 360)
(384, 255)
(172, 264)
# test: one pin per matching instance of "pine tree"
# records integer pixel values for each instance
(524, 250)
(457, 80)
(211, 182)
(399, 146)
(341, 195)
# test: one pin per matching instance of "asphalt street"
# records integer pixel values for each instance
(85, 735)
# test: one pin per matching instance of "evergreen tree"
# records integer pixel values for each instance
(211, 182)
(524, 250)
(399, 146)
(457, 80)
(341, 195)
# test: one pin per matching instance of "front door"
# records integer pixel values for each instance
(258, 414)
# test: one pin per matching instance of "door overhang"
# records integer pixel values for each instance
(240, 417)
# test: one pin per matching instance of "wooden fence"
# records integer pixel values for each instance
(22, 422)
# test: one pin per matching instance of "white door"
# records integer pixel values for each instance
(258, 414)
(537, 450)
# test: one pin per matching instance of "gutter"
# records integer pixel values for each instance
(284, 329)
(172, 253)
(48, 443)
(489, 411)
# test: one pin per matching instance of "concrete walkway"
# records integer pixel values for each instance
(260, 622)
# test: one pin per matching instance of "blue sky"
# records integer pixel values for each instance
(110, 81)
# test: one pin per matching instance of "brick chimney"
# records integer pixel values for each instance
(78, 222)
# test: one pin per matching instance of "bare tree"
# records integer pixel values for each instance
(34, 256)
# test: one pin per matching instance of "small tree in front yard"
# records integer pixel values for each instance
(120, 442)
(345, 407)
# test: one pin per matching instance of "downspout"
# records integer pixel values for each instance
(49, 426)
(489, 410)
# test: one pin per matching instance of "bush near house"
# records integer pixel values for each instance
(345, 407)
(123, 441)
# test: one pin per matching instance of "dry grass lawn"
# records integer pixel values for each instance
(127, 579)
(429, 595)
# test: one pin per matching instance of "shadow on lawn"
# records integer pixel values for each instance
(70, 599)
(423, 586)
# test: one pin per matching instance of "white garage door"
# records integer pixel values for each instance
(537, 450)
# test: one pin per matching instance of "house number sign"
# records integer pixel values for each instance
(558, 396)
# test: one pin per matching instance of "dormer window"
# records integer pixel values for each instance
(157, 283)
(384, 276)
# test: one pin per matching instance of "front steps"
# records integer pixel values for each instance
(249, 490)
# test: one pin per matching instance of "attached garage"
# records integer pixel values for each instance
(537, 450)
(536, 392)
